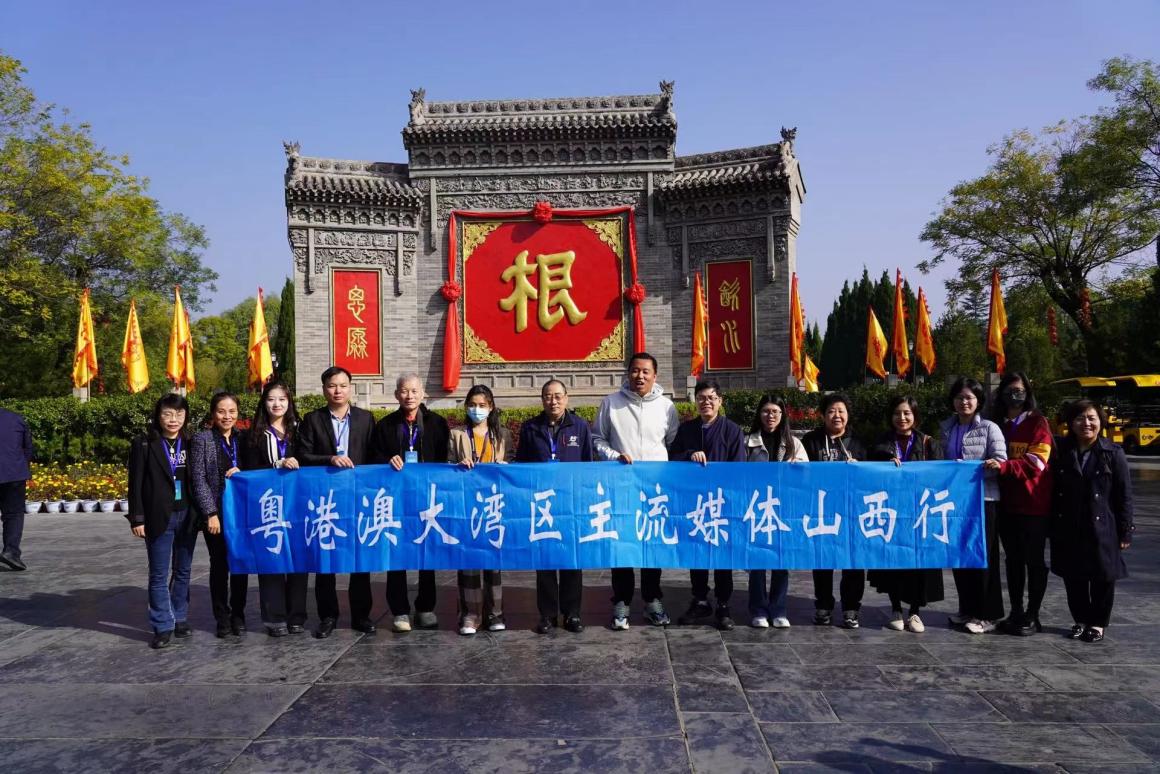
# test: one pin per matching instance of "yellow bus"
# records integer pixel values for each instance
(1098, 389)
(1138, 396)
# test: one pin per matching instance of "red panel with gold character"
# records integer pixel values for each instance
(543, 292)
(357, 320)
(729, 296)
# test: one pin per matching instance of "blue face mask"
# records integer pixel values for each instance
(477, 415)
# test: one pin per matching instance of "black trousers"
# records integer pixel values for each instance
(722, 585)
(1090, 601)
(1024, 538)
(397, 592)
(981, 591)
(358, 592)
(227, 592)
(624, 583)
(851, 588)
(12, 515)
(558, 592)
(283, 598)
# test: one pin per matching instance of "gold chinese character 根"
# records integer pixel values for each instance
(356, 302)
(554, 279)
(732, 342)
(356, 343)
(730, 291)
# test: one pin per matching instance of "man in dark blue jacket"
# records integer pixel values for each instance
(556, 435)
(15, 456)
(710, 437)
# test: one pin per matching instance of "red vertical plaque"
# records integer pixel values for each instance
(729, 295)
(357, 321)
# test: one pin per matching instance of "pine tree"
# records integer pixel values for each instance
(282, 344)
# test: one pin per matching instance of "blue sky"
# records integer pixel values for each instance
(894, 102)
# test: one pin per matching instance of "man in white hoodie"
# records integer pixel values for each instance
(636, 423)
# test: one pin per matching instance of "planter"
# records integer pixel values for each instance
(52, 506)
(123, 506)
(70, 506)
(89, 506)
(108, 506)
(33, 506)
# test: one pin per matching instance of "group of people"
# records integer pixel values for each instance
(1075, 491)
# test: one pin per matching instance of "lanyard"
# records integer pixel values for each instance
(554, 438)
(280, 442)
(173, 453)
(477, 456)
(231, 450)
(413, 431)
(904, 455)
(340, 435)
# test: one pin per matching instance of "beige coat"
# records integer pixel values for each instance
(460, 446)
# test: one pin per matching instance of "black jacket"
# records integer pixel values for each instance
(15, 447)
(815, 444)
(573, 445)
(317, 444)
(261, 451)
(1091, 512)
(723, 441)
(923, 449)
(434, 436)
(151, 492)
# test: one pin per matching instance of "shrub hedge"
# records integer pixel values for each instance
(66, 430)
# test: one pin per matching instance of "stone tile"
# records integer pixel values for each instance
(1117, 707)
(30, 756)
(140, 711)
(1144, 736)
(1110, 652)
(910, 707)
(795, 677)
(662, 755)
(1085, 677)
(484, 712)
(1119, 768)
(960, 678)
(989, 653)
(1015, 742)
(853, 742)
(804, 632)
(809, 767)
(710, 692)
(790, 707)
(850, 653)
(443, 657)
(726, 742)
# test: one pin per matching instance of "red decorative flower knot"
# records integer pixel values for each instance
(451, 290)
(542, 212)
(635, 293)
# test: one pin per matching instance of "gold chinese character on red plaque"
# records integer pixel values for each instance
(730, 292)
(732, 342)
(356, 302)
(553, 297)
(356, 343)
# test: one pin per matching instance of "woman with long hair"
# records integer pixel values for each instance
(159, 513)
(214, 457)
(770, 440)
(917, 588)
(270, 444)
(483, 439)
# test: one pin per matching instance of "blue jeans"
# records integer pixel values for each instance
(771, 603)
(169, 585)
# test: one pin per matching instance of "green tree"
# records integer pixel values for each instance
(843, 355)
(1125, 147)
(221, 344)
(282, 339)
(1039, 222)
(71, 217)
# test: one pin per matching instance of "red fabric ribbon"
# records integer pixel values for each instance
(452, 291)
(542, 212)
(635, 293)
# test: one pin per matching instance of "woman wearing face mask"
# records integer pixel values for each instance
(917, 588)
(1025, 499)
(770, 440)
(214, 457)
(967, 436)
(484, 439)
(832, 442)
(1091, 519)
(270, 444)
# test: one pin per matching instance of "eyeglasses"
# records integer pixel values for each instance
(965, 399)
(708, 398)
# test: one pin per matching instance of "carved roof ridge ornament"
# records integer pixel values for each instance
(417, 106)
(291, 148)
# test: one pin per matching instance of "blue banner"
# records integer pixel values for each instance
(606, 514)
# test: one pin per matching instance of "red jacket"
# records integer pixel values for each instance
(1025, 478)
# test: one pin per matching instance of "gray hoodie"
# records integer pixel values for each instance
(640, 427)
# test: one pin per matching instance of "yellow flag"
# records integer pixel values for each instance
(85, 356)
(923, 336)
(810, 375)
(797, 331)
(258, 353)
(133, 353)
(875, 345)
(700, 327)
(997, 325)
(899, 343)
(179, 363)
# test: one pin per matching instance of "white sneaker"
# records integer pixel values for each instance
(896, 623)
(468, 625)
(915, 624)
(781, 622)
(975, 626)
(759, 622)
(620, 617)
(402, 623)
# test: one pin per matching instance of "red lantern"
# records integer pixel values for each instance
(1052, 329)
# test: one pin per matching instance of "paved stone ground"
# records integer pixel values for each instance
(81, 691)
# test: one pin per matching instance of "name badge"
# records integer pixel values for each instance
(176, 489)
(411, 456)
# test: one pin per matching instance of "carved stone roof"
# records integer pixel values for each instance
(335, 181)
(763, 166)
(645, 115)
